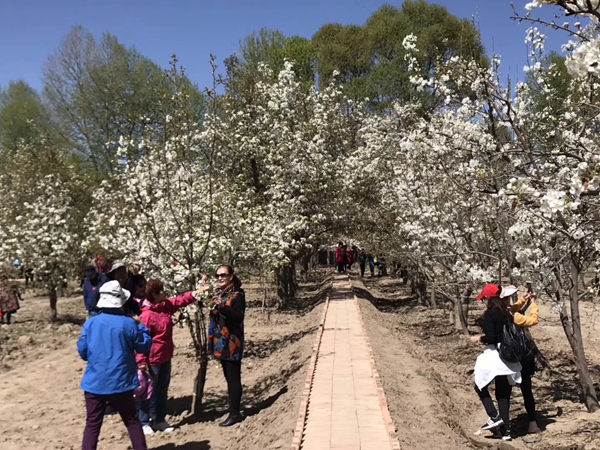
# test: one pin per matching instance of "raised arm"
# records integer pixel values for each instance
(172, 305)
(518, 305)
(528, 321)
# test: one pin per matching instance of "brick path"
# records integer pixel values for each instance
(346, 408)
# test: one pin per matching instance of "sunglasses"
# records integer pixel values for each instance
(222, 275)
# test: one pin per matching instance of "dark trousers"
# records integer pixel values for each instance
(233, 374)
(8, 316)
(362, 269)
(341, 267)
(503, 391)
(124, 403)
(526, 374)
(156, 407)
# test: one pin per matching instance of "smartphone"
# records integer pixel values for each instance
(529, 287)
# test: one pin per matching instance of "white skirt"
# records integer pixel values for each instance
(489, 366)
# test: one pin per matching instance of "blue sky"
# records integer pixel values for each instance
(32, 29)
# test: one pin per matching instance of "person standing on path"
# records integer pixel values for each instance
(157, 312)
(108, 344)
(91, 289)
(9, 298)
(490, 367)
(349, 257)
(226, 336)
(528, 370)
(362, 262)
(371, 262)
(340, 257)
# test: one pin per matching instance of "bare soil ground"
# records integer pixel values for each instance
(42, 407)
(424, 364)
(426, 370)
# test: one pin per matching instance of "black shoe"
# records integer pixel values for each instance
(501, 432)
(232, 420)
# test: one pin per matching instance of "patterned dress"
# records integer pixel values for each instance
(226, 329)
(9, 298)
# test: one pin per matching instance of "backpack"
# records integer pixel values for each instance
(516, 346)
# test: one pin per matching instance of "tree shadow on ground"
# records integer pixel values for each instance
(262, 349)
(69, 318)
(254, 399)
(303, 305)
(198, 445)
(381, 303)
(520, 424)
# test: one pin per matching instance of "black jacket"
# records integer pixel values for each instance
(493, 325)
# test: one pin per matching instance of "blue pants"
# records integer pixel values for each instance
(156, 407)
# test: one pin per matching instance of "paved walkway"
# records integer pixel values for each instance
(346, 410)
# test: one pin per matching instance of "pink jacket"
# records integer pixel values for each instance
(157, 319)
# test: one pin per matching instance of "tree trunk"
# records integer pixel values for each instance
(462, 310)
(572, 329)
(451, 314)
(421, 289)
(432, 300)
(286, 284)
(198, 332)
(199, 382)
(306, 266)
(53, 301)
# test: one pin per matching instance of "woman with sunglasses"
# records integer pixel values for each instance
(226, 336)
(157, 311)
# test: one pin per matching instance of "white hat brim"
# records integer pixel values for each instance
(107, 300)
(508, 291)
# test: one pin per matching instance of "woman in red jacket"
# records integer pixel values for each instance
(340, 257)
(157, 311)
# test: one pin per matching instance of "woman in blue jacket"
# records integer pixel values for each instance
(108, 343)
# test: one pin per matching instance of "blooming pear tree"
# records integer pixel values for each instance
(283, 149)
(256, 181)
(490, 181)
(40, 218)
(170, 211)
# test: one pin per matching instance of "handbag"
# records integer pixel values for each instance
(144, 391)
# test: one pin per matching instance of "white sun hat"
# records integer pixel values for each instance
(112, 295)
(507, 291)
(117, 265)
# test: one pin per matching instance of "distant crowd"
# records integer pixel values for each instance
(346, 255)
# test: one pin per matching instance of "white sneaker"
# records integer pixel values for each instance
(492, 422)
(164, 427)
(147, 430)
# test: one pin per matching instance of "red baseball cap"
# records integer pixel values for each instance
(488, 291)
